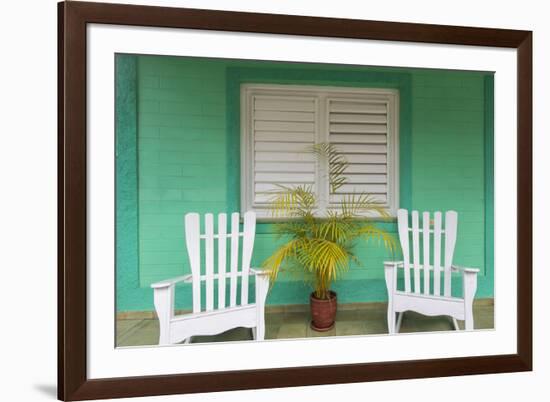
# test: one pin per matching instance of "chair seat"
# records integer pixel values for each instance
(213, 313)
(212, 322)
(429, 305)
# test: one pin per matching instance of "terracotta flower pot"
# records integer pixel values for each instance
(323, 312)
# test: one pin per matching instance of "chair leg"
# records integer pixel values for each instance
(262, 285)
(390, 274)
(455, 324)
(469, 286)
(399, 320)
(164, 306)
(259, 331)
(469, 321)
(391, 321)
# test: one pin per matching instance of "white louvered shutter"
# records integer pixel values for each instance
(283, 128)
(359, 129)
(281, 123)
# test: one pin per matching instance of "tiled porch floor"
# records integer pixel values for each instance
(364, 320)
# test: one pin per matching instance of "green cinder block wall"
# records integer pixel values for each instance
(178, 151)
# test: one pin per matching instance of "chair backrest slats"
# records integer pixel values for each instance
(222, 256)
(423, 234)
(450, 240)
(437, 253)
(192, 240)
(248, 244)
(239, 266)
(426, 247)
(416, 251)
(209, 260)
(403, 229)
(234, 258)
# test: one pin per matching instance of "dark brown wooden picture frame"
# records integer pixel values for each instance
(73, 383)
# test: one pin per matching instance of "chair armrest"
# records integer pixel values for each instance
(258, 271)
(189, 278)
(173, 281)
(464, 269)
(397, 264)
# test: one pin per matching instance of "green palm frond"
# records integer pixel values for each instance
(372, 232)
(294, 229)
(337, 164)
(357, 205)
(335, 229)
(327, 260)
(290, 250)
(298, 201)
(321, 246)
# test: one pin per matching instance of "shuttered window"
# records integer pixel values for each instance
(281, 123)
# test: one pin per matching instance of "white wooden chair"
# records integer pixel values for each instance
(208, 318)
(428, 300)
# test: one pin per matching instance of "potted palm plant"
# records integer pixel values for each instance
(320, 245)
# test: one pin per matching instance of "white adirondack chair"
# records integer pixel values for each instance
(207, 318)
(429, 300)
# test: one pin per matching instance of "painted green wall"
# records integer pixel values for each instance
(186, 126)
(128, 289)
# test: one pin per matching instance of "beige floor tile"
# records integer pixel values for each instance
(348, 315)
(123, 326)
(375, 321)
(414, 322)
(273, 322)
(376, 327)
(235, 334)
(311, 333)
(274, 319)
(289, 331)
(146, 333)
(295, 318)
(271, 331)
(347, 328)
(296, 324)
(484, 318)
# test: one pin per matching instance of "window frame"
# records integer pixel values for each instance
(323, 94)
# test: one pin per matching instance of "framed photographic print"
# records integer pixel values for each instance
(254, 200)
